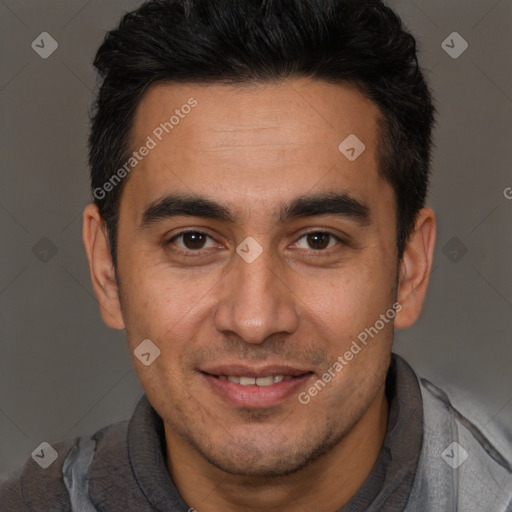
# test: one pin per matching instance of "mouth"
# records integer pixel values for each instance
(243, 380)
(255, 387)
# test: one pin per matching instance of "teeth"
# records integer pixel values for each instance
(264, 381)
(251, 381)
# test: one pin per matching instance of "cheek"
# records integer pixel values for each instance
(163, 305)
(351, 301)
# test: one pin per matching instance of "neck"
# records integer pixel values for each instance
(326, 484)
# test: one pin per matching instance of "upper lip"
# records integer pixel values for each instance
(241, 370)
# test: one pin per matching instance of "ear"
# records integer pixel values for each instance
(95, 237)
(415, 269)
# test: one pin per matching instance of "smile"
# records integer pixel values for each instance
(252, 381)
(252, 389)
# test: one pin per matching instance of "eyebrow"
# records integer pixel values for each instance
(330, 203)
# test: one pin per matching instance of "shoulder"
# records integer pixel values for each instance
(470, 466)
(34, 488)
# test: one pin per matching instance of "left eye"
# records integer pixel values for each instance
(192, 240)
(318, 240)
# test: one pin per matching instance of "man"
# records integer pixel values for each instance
(259, 171)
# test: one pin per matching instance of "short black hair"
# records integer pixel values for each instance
(356, 42)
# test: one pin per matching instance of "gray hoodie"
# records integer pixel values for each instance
(433, 459)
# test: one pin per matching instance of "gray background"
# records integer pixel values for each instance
(64, 373)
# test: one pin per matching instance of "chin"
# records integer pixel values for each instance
(263, 459)
(266, 466)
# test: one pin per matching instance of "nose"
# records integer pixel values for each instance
(255, 301)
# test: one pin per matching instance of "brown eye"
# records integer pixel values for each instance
(318, 240)
(194, 240)
(191, 240)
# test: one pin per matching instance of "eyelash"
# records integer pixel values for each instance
(198, 252)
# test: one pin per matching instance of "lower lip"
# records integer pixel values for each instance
(256, 396)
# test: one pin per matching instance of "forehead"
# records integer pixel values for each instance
(254, 141)
(301, 109)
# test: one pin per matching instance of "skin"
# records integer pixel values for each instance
(254, 149)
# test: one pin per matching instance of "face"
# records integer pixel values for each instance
(250, 246)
